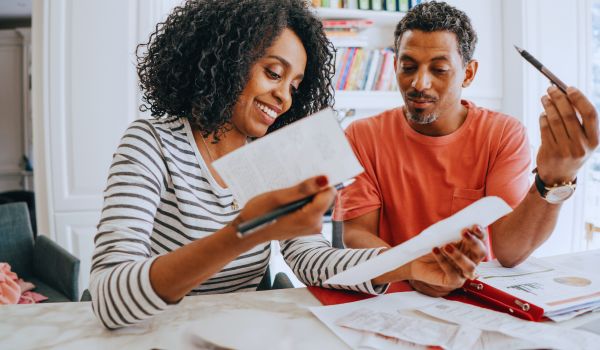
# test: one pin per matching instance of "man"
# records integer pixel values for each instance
(437, 154)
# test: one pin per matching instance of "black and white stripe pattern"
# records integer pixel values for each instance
(160, 196)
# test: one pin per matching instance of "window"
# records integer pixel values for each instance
(592, 168)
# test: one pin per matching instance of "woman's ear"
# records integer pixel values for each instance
(470, 72)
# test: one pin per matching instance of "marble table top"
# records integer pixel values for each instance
(277, 319)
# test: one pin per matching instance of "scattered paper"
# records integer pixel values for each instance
(539, 334)
(562, 292)
(411, 329)
(400, 302)
(315, 145)
(483, 212)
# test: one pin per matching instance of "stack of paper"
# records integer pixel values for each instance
(562, 292)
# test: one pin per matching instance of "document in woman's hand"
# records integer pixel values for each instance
(315, 145)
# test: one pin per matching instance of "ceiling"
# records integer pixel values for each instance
(15, 9)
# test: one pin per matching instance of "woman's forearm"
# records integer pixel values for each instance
(174, 274)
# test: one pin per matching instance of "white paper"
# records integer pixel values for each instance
(395, 325)
(397, 301)
(483, 212)
(557, 289)
(539, 334)
(315, 145)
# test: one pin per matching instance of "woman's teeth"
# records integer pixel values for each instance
(271, 113)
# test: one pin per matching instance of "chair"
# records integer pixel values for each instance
(337, 234)
(281, 281)
(52, 269)
(22, 196)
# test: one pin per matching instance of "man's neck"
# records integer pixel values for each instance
(446, 124)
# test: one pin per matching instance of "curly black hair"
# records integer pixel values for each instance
(197, 62)
(439, 16)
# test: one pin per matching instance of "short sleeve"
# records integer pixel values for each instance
(363, 196)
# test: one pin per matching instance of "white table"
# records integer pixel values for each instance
(277, 319)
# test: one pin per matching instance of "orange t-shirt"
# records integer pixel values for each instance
(417, 180)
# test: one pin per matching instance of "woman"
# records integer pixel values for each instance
(216, 74)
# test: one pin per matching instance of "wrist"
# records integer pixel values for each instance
(401, 273)
(550, 179)
(555, 193)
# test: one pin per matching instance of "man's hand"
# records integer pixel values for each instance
(444, 270)
(566, 143)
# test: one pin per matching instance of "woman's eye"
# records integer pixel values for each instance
(272, 74)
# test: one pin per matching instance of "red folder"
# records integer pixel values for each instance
(473, 292)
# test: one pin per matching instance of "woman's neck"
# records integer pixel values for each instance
(228, 142)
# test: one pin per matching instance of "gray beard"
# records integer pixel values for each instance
(422, 120)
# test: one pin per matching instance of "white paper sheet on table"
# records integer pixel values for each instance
(483, 212)
(329, 315)
(540, 335)
(315, 145)
(406, 304)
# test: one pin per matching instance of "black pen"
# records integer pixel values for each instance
(545, 71)
(256, 224)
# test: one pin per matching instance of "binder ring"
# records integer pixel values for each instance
(522, 305)
(477, 286)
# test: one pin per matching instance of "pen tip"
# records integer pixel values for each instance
(518, 48)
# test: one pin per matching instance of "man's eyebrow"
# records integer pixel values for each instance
(406, 58)
(286, 63)
(436, 58)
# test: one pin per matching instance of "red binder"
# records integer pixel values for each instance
(473, 292)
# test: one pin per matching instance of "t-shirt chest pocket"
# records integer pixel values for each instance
(463, 197)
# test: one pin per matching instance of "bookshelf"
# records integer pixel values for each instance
(378, 36)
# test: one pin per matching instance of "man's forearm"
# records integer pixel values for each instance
(517, 235)
(354, 238)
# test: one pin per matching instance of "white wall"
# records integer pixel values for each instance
(85, 95)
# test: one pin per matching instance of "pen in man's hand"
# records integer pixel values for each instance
(545, 71)
(255, 224)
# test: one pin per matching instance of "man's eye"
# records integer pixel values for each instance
(440, 70)
(408, 69)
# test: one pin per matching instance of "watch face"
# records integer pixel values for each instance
(559, 194)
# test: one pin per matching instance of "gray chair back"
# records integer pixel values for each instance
(337, 234)
(16, 238)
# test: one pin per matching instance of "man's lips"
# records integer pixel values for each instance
(418, 103)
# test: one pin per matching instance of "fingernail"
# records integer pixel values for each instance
(449, 248)
(436, 250)
(322, 181)
(466, 234)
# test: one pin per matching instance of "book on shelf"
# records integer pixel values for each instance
(377, 5)
(364, 69)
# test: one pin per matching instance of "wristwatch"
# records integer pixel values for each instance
(556, 194)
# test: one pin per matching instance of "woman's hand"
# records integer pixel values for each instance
(305, 221)
(446, 269)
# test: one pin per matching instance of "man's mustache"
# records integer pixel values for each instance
(415, 95)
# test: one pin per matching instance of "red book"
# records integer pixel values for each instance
(473, 292)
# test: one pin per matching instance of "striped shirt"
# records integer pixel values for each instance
(160, 196)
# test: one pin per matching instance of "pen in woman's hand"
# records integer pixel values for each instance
(256, 224)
